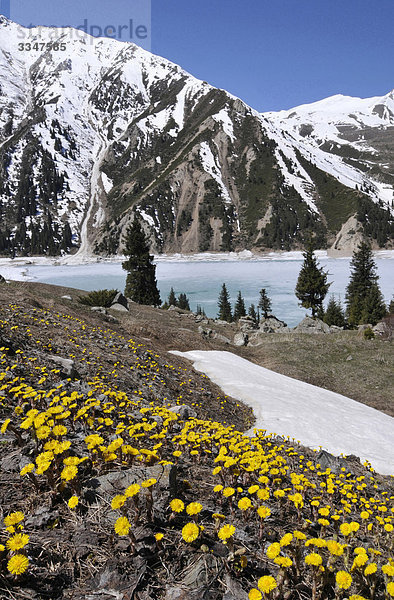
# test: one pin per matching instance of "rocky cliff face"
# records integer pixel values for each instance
(100, 130)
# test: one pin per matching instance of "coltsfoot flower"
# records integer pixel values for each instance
(18, 564)
(190, 532)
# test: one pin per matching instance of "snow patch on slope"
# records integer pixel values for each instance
(211, 165)
(314, 416)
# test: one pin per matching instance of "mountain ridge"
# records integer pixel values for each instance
(89, 139)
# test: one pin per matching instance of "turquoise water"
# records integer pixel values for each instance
(202, 280)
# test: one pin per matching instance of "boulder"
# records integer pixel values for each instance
(241, 339)
(309, 325)
(272, 325)
(66, 365)
(119, 307)
(66, 297)
(2, 280)
(221, 338)
(184, 411)
(119, 299)
(246, 324)
(99, 309)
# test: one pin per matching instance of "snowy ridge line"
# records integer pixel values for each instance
(313, 416)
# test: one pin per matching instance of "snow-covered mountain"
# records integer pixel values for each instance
(93, 130)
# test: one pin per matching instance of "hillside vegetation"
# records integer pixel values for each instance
(124, 474)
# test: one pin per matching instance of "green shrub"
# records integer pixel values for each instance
(368, 333)
(99, 298)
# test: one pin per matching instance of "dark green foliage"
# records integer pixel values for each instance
(368, 334)
(224, 305)
(141, 284)
(200, 311)
(391, 307)
(364, 301)
(378, 222)
(334, 315)
(239, 308)
(183, 302)
(99, 298)
(171, 300)
(312, 286)
(252, 313)
(264, 303)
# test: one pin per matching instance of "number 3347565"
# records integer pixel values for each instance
(41, 46)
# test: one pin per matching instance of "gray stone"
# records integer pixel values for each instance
(99, 309)
(246, 324)
(67, 366)
(220, 322)
(120, 299)
(115, 482)
(14, 462)
(119, 308)
(241, 339)
(329, 461)
(234, 590)
(272, 325)
(184, 411)
(66, 297)
(309, 325)
(222, 338)
(2, 280)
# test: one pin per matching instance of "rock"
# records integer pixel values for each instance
(119, 307)
(205, 332)
(309, 325)
(197, 579)
(327, 460)
(241, 339)
(13, 462)
(66, 297)
(220, 322)
(99, 309)
(246, 324)
(335, 328)
(67, 366)
(184, 411)
(234, 590)
(199, 318)
(2, 280)
(222, 338)
(272, 325)
(350, 357)
(380, 328)
(178, 310)
(120, 299)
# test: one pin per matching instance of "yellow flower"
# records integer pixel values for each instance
(228, 491)
(244, 503)
(148, 483)
(193, 508)
(359, 561)
(253, 489)
(364, 514)
(27, 469)
(132, 490)
(356, 597)
(263, 494)
(2, 548)
(388, 570)
(390, 588)
(254, 594)
(5, 425)
(370, 569)
(343, 579)
(299, 535)
(283, 561)
(286, 539)
(335, 548)
(18, 564)
(218, 488)
(318, 542)
(267, 583)
(345, 529)
(14, 518)
(226, 532)
(177, 505)
(17, 542)
(273, 550)
(190, 532)
(122, 526)
(69, 473)
(263, 512)
(118, 501)
(159, 536)
(313, 559)
(73, 501)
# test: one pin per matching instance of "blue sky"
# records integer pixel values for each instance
(273, 54)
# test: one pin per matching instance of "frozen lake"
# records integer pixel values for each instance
(201, 278)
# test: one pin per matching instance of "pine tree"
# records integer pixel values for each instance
(239, 308)
(264, 303)
(224, 305)
(141, 284)
(364, 300)
(183, 302)
(171, 298)
(334, 315)
(312, 285)
(252, 313)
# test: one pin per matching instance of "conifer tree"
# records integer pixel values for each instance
(183, 302)
(224, 305)
(239, 308)
(171, 298)
(141, 284)
(312, 286)
(253, 314)
(334, 315)
(364, 300)
(264, 303)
